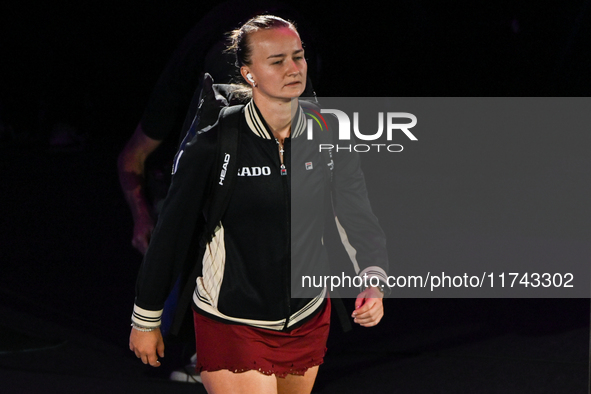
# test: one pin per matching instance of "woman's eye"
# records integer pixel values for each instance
(277, 62)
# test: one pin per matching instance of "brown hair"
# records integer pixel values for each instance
(239, 41)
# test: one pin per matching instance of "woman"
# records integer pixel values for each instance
(252, 337)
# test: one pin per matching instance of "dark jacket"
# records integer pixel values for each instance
(270, 236)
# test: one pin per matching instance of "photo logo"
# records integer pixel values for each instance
(317, 117)
(344, 132)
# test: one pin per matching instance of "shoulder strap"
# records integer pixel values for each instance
(222, 179)
(225, 169)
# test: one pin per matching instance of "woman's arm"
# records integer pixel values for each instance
(363, 236)
(171, 241)
(358, 226)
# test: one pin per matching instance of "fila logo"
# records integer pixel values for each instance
(309, 165)
(254, 171)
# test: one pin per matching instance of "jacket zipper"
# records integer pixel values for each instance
(286, 267)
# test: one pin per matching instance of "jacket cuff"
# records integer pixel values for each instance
(145, 318)
(374, 272)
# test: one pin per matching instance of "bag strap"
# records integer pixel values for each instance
(219, 194)
(225, 169)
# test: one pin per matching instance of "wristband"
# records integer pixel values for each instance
(143, 329)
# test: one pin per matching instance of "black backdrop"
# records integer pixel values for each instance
(93, 64)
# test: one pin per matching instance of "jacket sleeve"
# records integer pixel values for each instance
(359, 229)
(174, 230)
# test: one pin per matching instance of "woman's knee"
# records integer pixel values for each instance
(224, 382)
(297, 384)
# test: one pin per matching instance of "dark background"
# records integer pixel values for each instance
(85, 70)
(93, 64)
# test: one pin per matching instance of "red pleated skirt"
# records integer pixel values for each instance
(240, 348)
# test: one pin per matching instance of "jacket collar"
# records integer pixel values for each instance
(257, 123)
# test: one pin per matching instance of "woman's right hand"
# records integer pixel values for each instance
(147, 345)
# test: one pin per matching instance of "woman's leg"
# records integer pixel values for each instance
(297, 384)
(249, 382)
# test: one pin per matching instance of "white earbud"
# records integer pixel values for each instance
(249, 77)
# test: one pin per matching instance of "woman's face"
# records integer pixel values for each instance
(277, 64)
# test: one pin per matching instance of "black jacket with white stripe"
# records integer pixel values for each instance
(269, 238)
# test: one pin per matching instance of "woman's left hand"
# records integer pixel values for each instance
(368, 307)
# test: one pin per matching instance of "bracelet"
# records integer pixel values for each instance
(143, 329)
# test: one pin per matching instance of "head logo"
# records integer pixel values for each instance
(224, 169)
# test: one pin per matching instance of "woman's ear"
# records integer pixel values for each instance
(245, 72)
(248, 76)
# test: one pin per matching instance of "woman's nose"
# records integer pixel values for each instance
(292, 68)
